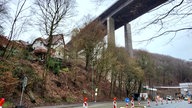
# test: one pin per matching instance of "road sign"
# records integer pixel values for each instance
(127, 100)
(23, 85)
(24, 82)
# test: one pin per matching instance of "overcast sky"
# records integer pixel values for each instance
(180, 47)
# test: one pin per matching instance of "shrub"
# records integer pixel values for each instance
(65, 69)
(70, 99)
(54, 65)
(7, 105)
(56, 69)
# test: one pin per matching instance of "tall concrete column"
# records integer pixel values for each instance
(128, 39)
(111, 32)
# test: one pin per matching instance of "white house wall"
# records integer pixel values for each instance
(59, 52)
(58, 47)
(38, 44)
(186, 87)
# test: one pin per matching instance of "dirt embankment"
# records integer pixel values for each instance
(66, 87)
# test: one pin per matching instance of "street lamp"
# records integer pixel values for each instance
(92, 79)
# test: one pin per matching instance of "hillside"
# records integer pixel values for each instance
(72, 82)
(167, 70)
(69, 86)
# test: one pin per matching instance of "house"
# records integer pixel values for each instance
(3, 42)
(39, 47)
(58, 45)
(186, 89)
(22, 43)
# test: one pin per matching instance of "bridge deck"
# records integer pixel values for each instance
(124, 11)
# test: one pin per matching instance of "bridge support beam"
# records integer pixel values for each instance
(111, 32)
(128, 39)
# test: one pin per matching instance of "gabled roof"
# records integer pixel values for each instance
(40, 39)
(56, 39)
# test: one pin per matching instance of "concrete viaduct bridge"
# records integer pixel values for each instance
(121, 13)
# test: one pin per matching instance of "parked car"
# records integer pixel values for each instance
(168, 97)
(186, 98)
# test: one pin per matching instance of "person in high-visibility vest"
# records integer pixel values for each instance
(114, 102)
(188, 100)
(2, 100)
(85, 104)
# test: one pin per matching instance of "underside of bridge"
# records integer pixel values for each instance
(124, 11)
(120, 14)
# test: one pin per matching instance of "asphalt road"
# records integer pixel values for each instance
(182, 104)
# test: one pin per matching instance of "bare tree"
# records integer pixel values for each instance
(51, 16)
(3, 14)
(101, 2)
(168, 16)
(18, 22)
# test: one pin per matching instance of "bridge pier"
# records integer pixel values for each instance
(128, 39)
(120, 13)
(111, 32)
(127, 34)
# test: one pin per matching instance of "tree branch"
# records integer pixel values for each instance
(161, 17)
(167, 32)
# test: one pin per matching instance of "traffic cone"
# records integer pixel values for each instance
(148, 103)
(139, 103)
(166, 101)
(85, 104)
(114, 102)
(132, 103)
(127, 104)
(161, 101)
(2, 100)
(156, 102)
